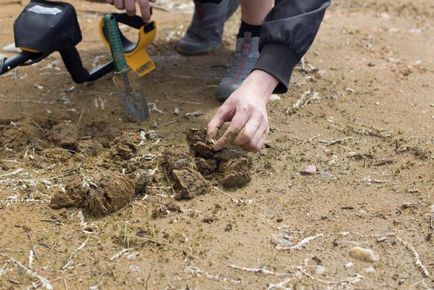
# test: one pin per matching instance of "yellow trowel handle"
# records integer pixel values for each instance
(136, 55)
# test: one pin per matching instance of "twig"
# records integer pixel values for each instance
(261, 270)
(280, 285)
(155, 109)
(71, 256)
(234, 200)
(31, 256)
(194, 114)
(301, 244)
(71, 275)
(182, 101)
(304, 100)
(415, 255)
(79, 119)
(149, 277)
(431, 218)
(159, 7)
(37, 125)
(333, 142)
(15, 172)
(4, 269)
(216, 277)
(89, 230)
(315, 278)
(44, 281)
(119, 254)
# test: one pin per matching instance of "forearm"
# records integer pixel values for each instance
(262, 83)
(287, 33)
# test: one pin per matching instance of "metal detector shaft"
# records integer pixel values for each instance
(8, 64)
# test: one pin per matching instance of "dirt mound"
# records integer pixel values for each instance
(17, 135)
(182, 170)
(231, 168)
(99, 195)
(64, 135)
(193, 172)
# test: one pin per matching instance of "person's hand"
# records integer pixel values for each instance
(130, 7)
(246, 109)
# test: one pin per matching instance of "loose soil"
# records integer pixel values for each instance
(89, 200)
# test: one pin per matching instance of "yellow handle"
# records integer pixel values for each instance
(138, 59)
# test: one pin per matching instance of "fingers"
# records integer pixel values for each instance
(223, 114)
(119, 4)
(145, 10)
(248, 131)
(258, 141)
(130, 7)
(238, 122)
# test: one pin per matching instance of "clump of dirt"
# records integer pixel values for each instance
(165, 209)
(193, 172)
(98, 194)
(103, 132)
(64, 135)
(17, 135)
(235, 173)
(231, 168)
(90, 147)
(182, 170)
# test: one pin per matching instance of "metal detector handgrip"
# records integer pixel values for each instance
(78, 72)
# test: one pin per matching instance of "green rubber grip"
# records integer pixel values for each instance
(112, 32)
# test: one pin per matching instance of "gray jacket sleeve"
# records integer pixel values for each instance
(287, 33)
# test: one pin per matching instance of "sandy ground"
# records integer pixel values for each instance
(361, 111)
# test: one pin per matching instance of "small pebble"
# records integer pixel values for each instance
(369, 270)
(132, 256)
(309, 170)
(151, 135)
(381, 239)
(39, 87)
(11, 48)
(362, 254)
(278, 241)
(348, 265)
(275, 98)
(70, 89)
(134, 268)
(319, 270)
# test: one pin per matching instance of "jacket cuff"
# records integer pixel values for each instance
(279, 61)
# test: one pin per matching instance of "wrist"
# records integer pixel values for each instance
(262, 83)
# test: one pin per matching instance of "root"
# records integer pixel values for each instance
(44, 281)
(431, 218)
(416, 258)
(279, 285)
(304, 100)
(300, 245)
(71, 256)
(196, 271)
(261, 270)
